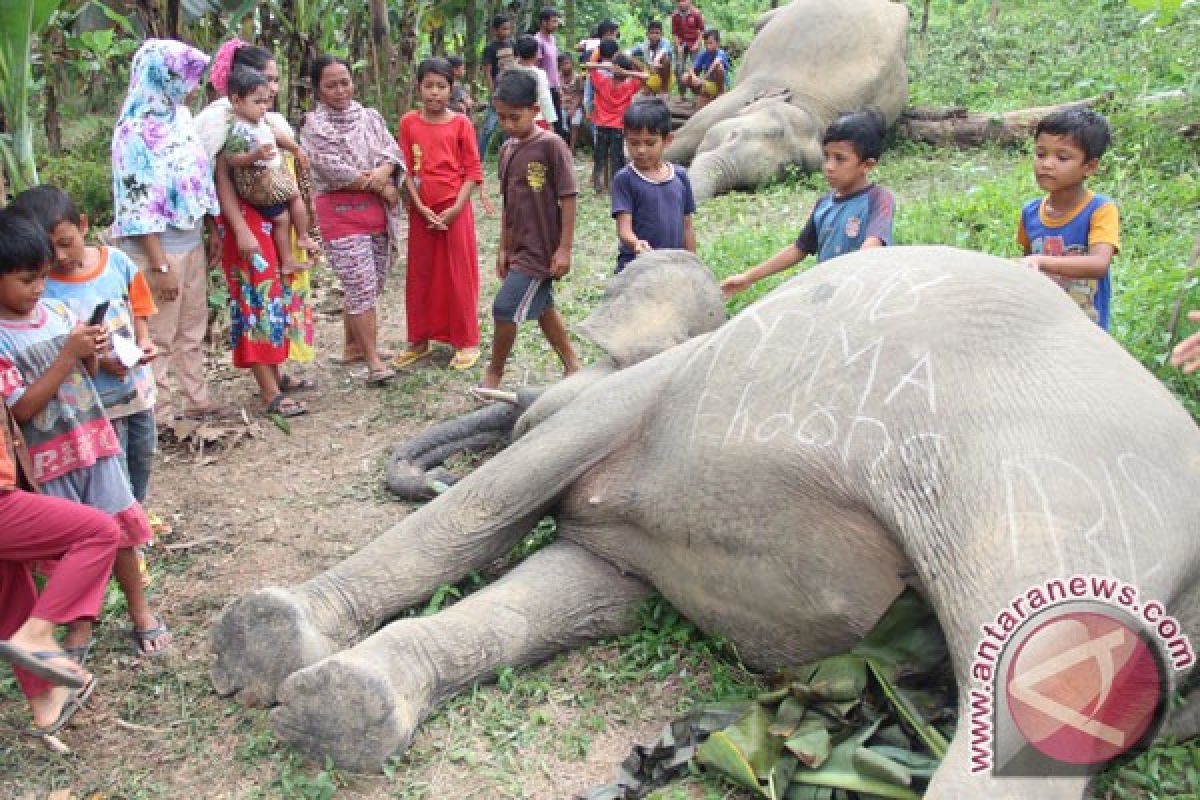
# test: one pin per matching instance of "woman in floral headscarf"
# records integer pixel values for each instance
(162, 190)
(270, 320)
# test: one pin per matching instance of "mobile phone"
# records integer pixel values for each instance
(98, 313)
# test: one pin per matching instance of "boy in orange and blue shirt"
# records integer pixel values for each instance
(1071, 234)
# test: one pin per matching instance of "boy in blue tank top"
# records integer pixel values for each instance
(855, 215)
(1071, 233)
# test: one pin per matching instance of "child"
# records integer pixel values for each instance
(460, 99)
(855, 215)
(652, 199)
(537, 225)
(710, 70)
(259, 174)
(527, 59)
(83, 277)
(442, 290)
(655, 57)
(497, 57)
(687, 24)
(1071, 233)
(47, 360)
(613, 94)
(571, 83)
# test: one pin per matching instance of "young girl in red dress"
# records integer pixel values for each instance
(442, 291)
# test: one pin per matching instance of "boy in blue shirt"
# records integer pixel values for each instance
(855, 215)
(652, 199)
(1071, 234)
(709, 74)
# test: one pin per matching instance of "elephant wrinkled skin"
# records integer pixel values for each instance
(902, 415)
(810, 61)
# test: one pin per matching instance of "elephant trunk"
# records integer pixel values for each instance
(712, 173)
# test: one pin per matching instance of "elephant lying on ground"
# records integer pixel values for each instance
(810, 61)
(903, 415)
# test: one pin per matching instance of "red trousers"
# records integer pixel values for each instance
(35, 527)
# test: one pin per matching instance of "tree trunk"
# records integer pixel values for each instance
(960, 128)
(471, 45)
(994, 13)
(381, 51)
(52, 121)
(406, 54)
(924, 16)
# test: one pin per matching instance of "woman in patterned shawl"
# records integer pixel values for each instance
(357, 167)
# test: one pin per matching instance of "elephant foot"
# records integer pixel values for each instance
(259, 640)
(346, 709)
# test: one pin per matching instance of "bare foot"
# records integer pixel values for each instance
(47, 707)
(305, 242)
(289, 267)
(570, 369)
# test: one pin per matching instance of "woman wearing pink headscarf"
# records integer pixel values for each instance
(269, 317)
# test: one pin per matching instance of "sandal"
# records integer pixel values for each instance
(410, 357)
(380, 377)
(288, 383)
(142, 638)
(465, 359)
(285, 406)
(39, 664)
(80, 654)
(75, 702)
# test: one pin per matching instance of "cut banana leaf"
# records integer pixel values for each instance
(873, 764)
(798, 791)
(810, 743)
(919, 765)
(840, 772)
(929, 735)
(788, 717)
(839, 679)
(907, 636)
(746, 751)
(780, 778)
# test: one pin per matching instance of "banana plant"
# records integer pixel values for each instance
(20, 22)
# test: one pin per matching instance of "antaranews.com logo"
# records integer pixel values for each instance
(1072, 674)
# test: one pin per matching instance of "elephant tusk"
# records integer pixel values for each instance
(494, 395)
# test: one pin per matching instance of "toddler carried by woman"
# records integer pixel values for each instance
(259, 174)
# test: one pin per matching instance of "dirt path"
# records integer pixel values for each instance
(277, 508)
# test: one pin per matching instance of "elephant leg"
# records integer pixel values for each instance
(362, 705)
(264, 636)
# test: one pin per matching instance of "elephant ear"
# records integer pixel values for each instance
(663, 298)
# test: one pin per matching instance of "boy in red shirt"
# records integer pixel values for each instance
(613, 95)
(687, 25)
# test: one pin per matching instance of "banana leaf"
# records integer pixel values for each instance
(929, 735)
(810, 743)
(745, 752)
(20, 22)
(841, 772)
(907, 637)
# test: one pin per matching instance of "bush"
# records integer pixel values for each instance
(88, 182)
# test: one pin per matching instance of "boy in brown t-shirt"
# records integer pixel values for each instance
(537, 226)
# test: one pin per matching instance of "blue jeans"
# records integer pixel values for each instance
(490, 123)
(139, 440)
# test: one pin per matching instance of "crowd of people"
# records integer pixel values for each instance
(99, 344)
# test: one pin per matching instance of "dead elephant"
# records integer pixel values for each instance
(920, 415)
(809, 61)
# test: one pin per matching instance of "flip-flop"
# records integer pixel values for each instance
(410, 357)
(288, 383)
(465, 359)
(39, 664)
(75, 702)
(143, 637)
(378, 378)
(80, 654)
(285, 406)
